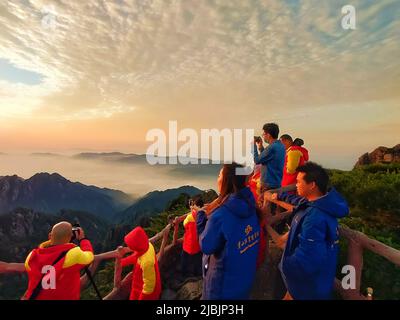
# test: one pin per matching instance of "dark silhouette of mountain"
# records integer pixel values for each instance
(151, 204)
(51, 192)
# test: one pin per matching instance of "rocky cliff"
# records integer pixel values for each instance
(380, 155)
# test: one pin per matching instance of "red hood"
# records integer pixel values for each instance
(137, 240)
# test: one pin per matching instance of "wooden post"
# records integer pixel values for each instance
(176, 229)
(164, 242)
(355, 259)
(117, 273)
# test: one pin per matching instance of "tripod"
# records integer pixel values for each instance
(90, 277)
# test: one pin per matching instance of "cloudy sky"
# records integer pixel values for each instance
(97, 75)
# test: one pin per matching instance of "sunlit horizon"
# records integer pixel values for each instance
(67, 87)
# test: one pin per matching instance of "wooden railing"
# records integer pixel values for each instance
(121, 287)
(357, 243)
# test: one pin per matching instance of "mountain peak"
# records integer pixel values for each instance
(48, 176)
(50, 192)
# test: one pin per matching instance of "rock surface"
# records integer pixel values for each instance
(380, 155)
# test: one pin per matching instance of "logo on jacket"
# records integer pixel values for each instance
(251, 239)
(248, 230)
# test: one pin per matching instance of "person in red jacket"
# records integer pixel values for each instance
(61, 280)
(191, 252)
(254, 183)
(296, 156)
(146, 280)
(299, 143)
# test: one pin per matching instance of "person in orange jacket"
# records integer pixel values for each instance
(54, 267)
(146, 280)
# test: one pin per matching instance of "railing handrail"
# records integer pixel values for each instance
(357, 243)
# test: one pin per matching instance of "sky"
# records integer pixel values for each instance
(98, 75)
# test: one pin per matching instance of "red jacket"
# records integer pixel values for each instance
(295, 157)
(263, 245)
(146, 280)
(67, 270)
(190, 238)
(254, 183)
(305, 153)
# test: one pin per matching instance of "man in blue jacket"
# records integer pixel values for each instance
(271, 158)
(308, 264)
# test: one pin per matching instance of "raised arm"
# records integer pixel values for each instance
(264, 156)
(6, 267)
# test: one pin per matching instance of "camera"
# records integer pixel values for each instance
(75, 231)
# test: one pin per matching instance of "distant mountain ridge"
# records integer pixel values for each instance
(152, 203)
(200, 169)
(132, 157)
(52, 192)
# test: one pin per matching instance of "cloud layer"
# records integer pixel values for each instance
(159, 60)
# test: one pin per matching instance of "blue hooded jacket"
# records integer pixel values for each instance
(230, 243)
(308, 264)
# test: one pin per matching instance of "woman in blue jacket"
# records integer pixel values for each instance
(229, 235)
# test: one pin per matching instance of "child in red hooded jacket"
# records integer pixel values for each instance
(146, 280)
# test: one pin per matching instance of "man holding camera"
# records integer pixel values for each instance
(54, 267)
(271, 158)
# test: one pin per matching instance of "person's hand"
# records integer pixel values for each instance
(80, 234)
(268, 196)
(269, 218)
(166, 233)
(121, 251)
(196, 208)
(176, 221)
